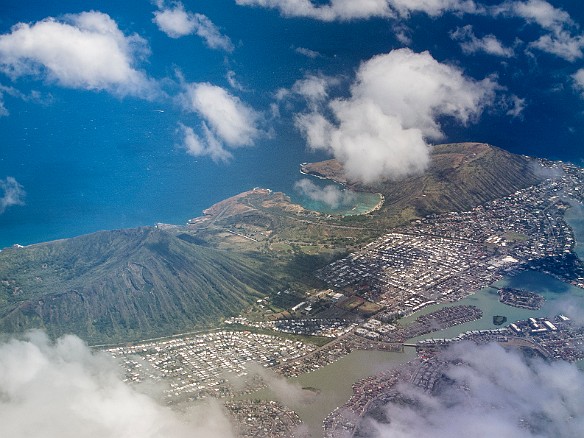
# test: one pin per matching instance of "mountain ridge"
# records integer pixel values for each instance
(143, 282)
(460, 176)
(126, 285)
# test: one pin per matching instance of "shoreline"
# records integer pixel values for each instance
(205, 213)
(376, 207)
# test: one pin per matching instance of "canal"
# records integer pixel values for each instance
(331, 386)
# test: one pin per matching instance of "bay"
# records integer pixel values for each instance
(334, 381)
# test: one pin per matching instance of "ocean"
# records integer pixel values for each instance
(89, 160)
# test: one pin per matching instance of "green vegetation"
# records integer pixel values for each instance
(499, 319)
(515, 237)
(127, 285)
(460, 177)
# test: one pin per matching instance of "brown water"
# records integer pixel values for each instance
(333, 383)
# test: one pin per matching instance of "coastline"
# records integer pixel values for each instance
(378, 205)
(305, 170)
(345, 186)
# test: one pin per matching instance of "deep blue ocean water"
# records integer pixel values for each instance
(90, 161)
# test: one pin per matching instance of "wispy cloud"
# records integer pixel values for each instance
(562, 44)
(312, 54)
(562, 38)
(3, 110)
(491, 392)
(537, 11)
(578, 79)
(176, 22)
(314, 88)
(331, 11)
(206, 146)
(344, 10)
(12, 193)
(513, 106)
(227, 122)
(435, 8)
(65, 390)
(282, 389)
(470, 43)
(33, 96)
(233, 82)
(396, 102)
(85, 50)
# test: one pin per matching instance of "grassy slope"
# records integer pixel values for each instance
(121, 285)
(460, 176)
(126, 285)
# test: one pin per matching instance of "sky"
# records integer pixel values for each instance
(119, 115)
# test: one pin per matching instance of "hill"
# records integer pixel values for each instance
(115, 286)
(460, 177)
(119, 286)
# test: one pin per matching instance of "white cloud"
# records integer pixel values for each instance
(335, 10)
(33, 96)
(233, 82)
(396, 102)
(226, 121)
(208, 146)
(281, 388)
(11, 193)
(578, 78)
(535, 11)
(312, 54)
(492, 392)
(470, 43)
(63, 390)
(313, 88)
(176, 22)
(85, 50)
(403, 33)
(562, 44)
(514, 106)
(560, 40)
(210, 33)
(435, 8)
(331, 195)
(229, 118)
(343, 10)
